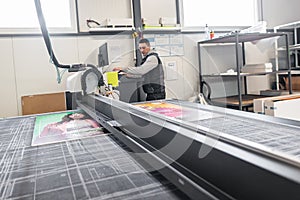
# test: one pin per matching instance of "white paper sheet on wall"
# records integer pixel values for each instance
(167, 44)
(176, 39)
(171, 70)
(176, 50)
(163, 51)
(162, 39)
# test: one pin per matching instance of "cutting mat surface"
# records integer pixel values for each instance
(99, 167)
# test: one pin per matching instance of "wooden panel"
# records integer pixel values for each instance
(43, 103)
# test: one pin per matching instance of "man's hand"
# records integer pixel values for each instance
(117, 69)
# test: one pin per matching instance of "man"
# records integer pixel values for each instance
(152, 71)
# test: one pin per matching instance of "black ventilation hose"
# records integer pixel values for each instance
(73, 67)
(46, 34)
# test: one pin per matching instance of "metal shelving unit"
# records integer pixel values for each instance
(293, 29)
(295, 46)
(242, 99)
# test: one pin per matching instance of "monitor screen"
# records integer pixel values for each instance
(103, 55)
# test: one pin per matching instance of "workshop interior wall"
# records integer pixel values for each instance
(26, 70)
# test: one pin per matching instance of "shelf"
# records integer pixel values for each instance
(288, 25)
(291, 47)
(162, 28)
(244, 37)
(295, 47)
(233, 101)
(246, 74)
(293, 71)
(92, 30)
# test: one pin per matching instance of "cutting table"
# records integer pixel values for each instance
(99, 167)
(166, 149)
(208, 152)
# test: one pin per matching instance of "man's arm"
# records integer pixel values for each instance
(150, 64)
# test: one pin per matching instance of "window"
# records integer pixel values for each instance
(20, 16)
(198, 13)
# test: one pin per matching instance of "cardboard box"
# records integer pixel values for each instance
(257, 83)
(286, 108)
(259, 104)
(295, 83)
(257, 68)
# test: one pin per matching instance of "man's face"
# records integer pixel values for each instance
(144, 48)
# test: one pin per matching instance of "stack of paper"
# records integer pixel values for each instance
(257, 68)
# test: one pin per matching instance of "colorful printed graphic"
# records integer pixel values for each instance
(58, 127)
(164, 108)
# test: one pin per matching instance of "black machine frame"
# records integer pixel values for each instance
(233, 169)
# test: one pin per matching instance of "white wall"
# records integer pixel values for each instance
(29, 72)
(33, 72)
(8, 105)
(277, 12)
(100, 10)
(26, 69)
(152, 10)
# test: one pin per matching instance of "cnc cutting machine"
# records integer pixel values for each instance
(167, 149)
(208, 152)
